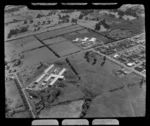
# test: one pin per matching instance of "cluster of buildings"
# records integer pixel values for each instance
(86, 42)
(132, 56)
(130, 52)
(48, 78)
(112, 48)
(141, 67)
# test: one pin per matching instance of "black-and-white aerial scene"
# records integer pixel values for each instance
(75, 63)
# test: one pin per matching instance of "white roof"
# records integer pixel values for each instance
(85, 39)
(130, 64)
(92, 39)
(77, 39)
(116, 55)
(48, 77)
(40, 77)
(50, 67)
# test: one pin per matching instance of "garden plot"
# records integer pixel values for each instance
(64, 48)
(54, 40)
(36, 56)
(58, 32)
(20, 45)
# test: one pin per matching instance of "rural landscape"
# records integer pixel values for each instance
(81, 63)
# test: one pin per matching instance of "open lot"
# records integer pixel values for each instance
(110, 105)
(15, 107)
(100, 81)
(20, 45)
(13, 95)
(63, 111)
(61, 31)
(36, 56)
(94, 77)
(64, 48)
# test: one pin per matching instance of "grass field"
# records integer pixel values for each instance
(64, 48)
(12, 93)
(114, 100)
(63, 111)
(111, 105)
(14, 102)
(57, 32)
(36, 56)
(20, 45)
(54, 40)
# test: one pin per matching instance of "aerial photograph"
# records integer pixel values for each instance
(75, 63)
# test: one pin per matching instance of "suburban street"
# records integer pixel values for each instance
(121, 64)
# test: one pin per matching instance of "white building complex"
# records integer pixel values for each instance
(48, 78)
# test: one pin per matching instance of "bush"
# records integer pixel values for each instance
(74, 20)
(31, 21)
(81, 16)
(39, 16)
(17, 31)
(97, 26)
(25, 22)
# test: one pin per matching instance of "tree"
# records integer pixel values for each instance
(31, 21)
(97, 26)
(120, 13)
(67, 20)
(81, 16)
(38, 16)
(25, 22)
(86, 18)
(74, 20)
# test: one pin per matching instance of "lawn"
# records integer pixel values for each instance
(13, 95)
(64, 48)
(114, 104)
(20, 45)
(57, 32)
(54, 40)
(72, 109)
(112, 99)
(36, 56)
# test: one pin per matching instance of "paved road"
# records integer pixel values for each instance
(121, 64)
(23, 91)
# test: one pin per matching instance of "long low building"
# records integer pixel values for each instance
(40, 78)
(49, 68)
